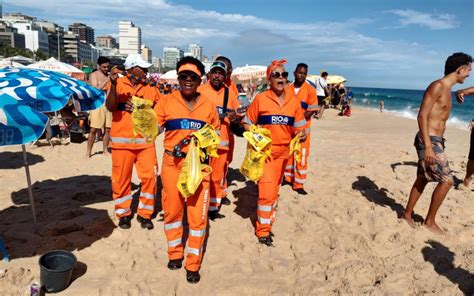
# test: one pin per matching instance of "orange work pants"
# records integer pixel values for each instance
(268, 188)
(218, 165)
(122, 166)
(174, 205)
(295, 173)
(230, 157)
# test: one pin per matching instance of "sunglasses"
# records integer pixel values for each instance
(193, 77)
(279, 74)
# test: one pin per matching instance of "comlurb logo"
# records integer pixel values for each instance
(279, 119)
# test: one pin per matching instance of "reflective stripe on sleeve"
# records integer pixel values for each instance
(300, 123)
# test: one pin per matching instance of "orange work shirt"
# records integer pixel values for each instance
(121, 133)
(266, 111)
(232, 86)
(307, 96)
(217, 97)
(179, 121)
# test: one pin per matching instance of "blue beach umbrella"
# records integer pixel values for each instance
(25, 93)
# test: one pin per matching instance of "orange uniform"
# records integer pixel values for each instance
(127, 151)
(295, 173)
(282, 121)
(179, 122)
(219, 164)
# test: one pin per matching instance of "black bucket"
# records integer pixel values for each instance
(56, 270)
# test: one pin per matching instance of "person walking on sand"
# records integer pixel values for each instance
(322, 91)
(296, 172)
(180, 114)
(470, 163)
(129, 150)
(381, 106)
(101, 117)
(429, 142)
(278, 110)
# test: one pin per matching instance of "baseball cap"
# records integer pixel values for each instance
(134, 60)
(218, 64)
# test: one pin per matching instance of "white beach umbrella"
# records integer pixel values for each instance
(249, 73)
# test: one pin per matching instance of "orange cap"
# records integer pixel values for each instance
(274, 65)
(189, 67)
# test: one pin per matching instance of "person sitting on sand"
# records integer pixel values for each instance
(429, 142)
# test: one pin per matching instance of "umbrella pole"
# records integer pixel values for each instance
(30, 189)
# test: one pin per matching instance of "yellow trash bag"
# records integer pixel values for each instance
(259, 148)
(192, 172)
(260, 138)
(253, 164)
(144, 119)
(295, 147)
(208, 139)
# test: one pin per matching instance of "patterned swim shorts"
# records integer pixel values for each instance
(439, 171)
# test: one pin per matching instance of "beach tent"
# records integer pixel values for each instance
(170, 77)
(331, 79)
(52, 64)
(21, 60)
(249, 73)
(9, 63)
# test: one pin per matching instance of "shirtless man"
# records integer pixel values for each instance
(429, 142)
(470, 163)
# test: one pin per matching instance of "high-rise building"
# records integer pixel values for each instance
(76, 50)
(84, 32)
(171, 55)
(147, 53)
(130, 38)
(55, 37)
(156, 62)
(35, 38)
(196, 51)
(10, 37)
(106, 41)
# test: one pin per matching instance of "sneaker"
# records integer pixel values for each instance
(266, 240)
(146, 223)
(175, 264)
(124, 222)
(301, 191)
(192, 277)
(225, 201)
(213, 215)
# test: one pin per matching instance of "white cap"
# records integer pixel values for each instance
(134, 60)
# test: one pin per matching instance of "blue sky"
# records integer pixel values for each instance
(393, 44)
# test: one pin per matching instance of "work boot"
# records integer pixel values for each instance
(301, 191)
(146, 223)
(175, 264)
(225, 201)
(266, 240)
(124, 222)
(213, 215)
(284, 182)
(192, 277)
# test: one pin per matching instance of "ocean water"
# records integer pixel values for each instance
(405, 103)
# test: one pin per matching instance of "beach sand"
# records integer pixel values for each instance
(344, 238)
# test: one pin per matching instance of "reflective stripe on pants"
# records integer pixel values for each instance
(218, 165)
(268, 188)
(122, 166)
(174, 206)
(296, 173)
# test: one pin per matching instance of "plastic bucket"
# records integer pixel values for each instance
(56, 270)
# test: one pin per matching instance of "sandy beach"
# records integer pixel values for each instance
(344, 238)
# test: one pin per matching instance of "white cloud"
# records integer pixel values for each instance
(432, 21)
(334, 46)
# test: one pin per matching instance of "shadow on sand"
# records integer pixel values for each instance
(408, 163)
(246, 203)
(64, 221)
(443, 262)
(14, 160)
(379, 196)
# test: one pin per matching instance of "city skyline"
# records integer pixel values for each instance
(378, 44)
